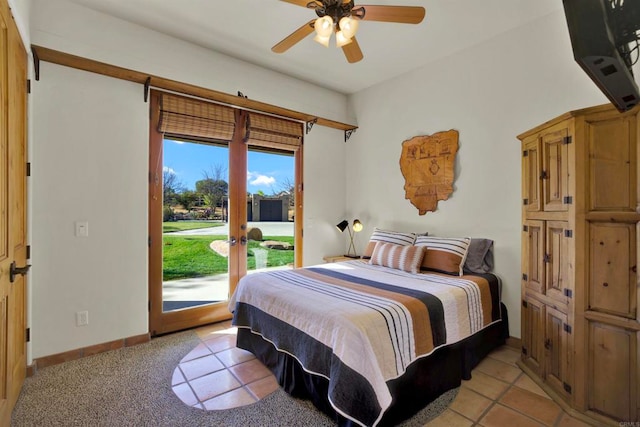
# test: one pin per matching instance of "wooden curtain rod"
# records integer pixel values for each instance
(61, 58)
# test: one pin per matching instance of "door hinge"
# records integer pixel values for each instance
(525, 153)
(525, 201)
(566, 387)
(524, 351)
(28, 85)
(568, 233)
(28, 256)
(566, 328)
(149, 306)
(525, 277)
(544, 175)
(28, 335)
(567, 200)
(525, 228)
(149, 241)
(546, 259)
(28, 168)
(524, 304)
(567, 139)
(568, 293)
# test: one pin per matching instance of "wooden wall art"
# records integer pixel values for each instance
(427, 164)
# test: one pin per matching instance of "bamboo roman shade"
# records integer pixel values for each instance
(188, 117)
(273, 132)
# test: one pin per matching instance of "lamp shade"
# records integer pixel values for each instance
(357, 225)
(323, 40)
(341, 40)
(348, 26)
(324, 26)
(343, 225)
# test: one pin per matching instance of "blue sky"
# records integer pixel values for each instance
(265, 172)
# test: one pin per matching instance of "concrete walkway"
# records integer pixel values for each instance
(267, 228)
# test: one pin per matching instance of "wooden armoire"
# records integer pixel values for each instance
(580, 236)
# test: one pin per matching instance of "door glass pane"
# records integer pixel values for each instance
(270, 210)
(195, 224)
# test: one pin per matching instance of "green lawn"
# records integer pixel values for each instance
(168, 227)
(190, 256)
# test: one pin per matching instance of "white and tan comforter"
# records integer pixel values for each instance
(361, 325)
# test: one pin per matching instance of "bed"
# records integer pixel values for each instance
(368, 344)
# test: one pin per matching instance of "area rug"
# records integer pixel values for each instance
(132, 387)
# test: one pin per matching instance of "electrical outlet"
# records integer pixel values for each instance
(82, 318)
(82, 229)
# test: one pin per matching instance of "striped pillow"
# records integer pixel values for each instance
(444, 254)
(406, 258)
(387, 236)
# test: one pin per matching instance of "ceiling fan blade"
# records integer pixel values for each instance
(399, 14)
(352, 51)
(294, 37)
(302, 3)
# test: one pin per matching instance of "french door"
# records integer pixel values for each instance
(215, 222)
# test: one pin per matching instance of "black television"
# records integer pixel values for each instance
(604, 40)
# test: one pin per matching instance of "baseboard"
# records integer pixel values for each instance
(55, 359)
(514, 343)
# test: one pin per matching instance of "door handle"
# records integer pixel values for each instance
(14, 271)
(232, 241)
(243, 240)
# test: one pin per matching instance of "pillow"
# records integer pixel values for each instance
(480, 256)
(387, 236)
(406, 258)
(444, 254)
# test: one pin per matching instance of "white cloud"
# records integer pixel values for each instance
(257, 179)
(168, 169)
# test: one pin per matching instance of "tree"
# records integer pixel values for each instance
(171, 186)
(187, 199)
(213, 187)
(289, 187)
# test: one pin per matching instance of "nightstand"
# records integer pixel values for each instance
(338, 258)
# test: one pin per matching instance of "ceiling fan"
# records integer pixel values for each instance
(342, 17)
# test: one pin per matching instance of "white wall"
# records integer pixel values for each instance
(89, 164)
(490, 94)
(89, 154)
(21, 10)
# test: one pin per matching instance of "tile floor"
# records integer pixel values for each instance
(217, 375)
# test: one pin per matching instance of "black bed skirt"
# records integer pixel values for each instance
(422, 383)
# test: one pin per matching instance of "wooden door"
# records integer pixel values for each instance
(555, 172)
(13, 232)
(531, 169)
(532, 334)
(557, 349)
(534, 256)
(164, 321)
(556, 259)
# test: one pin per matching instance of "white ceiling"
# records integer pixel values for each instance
(247, 29)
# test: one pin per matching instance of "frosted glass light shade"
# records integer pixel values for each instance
(341, 40)
(324, 26)
(323, 40)
(348, 26)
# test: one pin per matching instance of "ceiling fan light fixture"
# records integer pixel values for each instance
(323, 40)
(341, 39)
(348, 26)
(324, 26)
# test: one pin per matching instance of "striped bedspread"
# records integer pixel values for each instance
(361, 325)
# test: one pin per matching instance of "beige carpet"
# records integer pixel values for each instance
(132, 387)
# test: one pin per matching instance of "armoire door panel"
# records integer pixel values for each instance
(613, 269)
(557, 366)
(535, 251)
(531, 169)
(555, 170)
(557, 260)
(533, 334)
(612, 164)
(612, 377)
